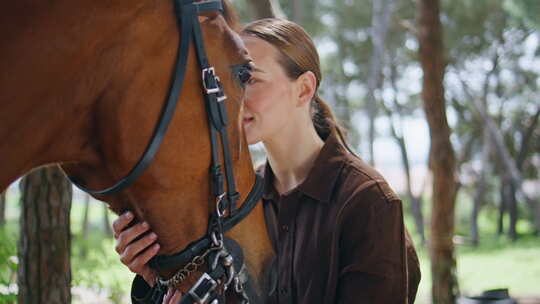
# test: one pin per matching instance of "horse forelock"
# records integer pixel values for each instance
(230, 15)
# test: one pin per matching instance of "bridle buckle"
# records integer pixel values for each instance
(200, 292)
(219, 211)
(210, 72)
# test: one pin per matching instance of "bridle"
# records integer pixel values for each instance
(223, 256)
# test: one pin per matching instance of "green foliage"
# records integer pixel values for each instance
(94, 262)
(472, 25)
(95, 265)
(526, 11)
(8, 266)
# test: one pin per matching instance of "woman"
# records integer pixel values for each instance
(335, 224)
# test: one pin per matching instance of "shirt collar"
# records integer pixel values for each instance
(322, 177)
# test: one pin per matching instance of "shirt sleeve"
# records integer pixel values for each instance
(142, 293)
(372, 266)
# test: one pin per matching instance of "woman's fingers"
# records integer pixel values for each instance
(167, 296)
(128, 235)
(172, 298)
(128, 254)
(138, 263)
(176, 297)
(121, 223)
(136, 245)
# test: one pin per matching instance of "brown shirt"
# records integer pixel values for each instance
(339, 236)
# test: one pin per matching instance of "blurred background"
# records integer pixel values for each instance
(472, 125)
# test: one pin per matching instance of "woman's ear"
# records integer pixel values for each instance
(306, 87)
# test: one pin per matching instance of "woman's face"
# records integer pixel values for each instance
(270, 104)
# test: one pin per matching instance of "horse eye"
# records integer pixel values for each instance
(244, 74)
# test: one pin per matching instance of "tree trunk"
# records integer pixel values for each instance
(475, 238)
(380, 22)
(509, 165)
(512, 210)
(84, 228)
(526, 142)
(535, 210)
(2, 209)
(481, 187)
(86, 212)
(44, 274)
(502, 209)
(416, 200)
(266, 9)
(106, 223)
(442, 160)
(511, 171)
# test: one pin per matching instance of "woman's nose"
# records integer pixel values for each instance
(247, 98)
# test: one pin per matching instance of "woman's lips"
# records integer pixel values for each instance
(247, 120)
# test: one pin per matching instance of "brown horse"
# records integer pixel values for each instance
(82, 83)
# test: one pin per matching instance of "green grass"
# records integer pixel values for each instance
(8, 266)
(496, 263)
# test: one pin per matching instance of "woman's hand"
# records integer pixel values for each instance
(172, 297)
(136, 250)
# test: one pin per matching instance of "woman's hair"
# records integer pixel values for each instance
(297, 55)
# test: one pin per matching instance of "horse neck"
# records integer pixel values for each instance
(35, 134)
(252, 235)
(55, 61)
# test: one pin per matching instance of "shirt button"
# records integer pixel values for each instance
(285, 228)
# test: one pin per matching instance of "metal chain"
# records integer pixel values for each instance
(185, 272)
(197, 262)
(239, 288)
(239, 281)
(182, 274)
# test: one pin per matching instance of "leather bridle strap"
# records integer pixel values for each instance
(217, 116)
(212, 248)
(186, 26)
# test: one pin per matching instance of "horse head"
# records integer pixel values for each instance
(113, 65)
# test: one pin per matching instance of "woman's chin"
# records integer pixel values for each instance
(251, 140)
(250, 137)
